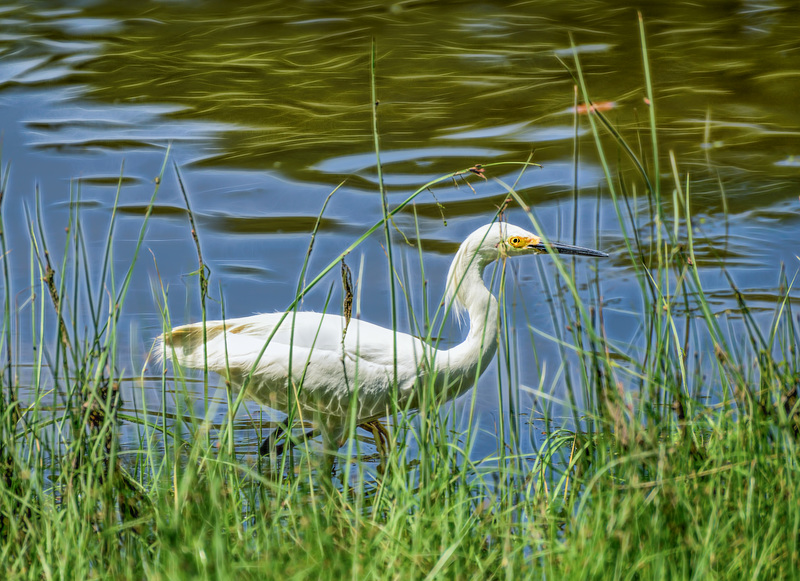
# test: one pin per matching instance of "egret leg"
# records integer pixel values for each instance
(333, 438)
(290, 441)
(382, 436)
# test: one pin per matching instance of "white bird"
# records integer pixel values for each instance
(329, 370)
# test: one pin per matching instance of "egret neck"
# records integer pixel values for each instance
(466, 291)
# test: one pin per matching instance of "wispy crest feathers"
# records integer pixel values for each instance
(455, 280)
(455, 306)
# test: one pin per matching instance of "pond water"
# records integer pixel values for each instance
(267, 107)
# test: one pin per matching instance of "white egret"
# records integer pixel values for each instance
(329, 370)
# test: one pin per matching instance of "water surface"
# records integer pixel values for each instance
(267, 108)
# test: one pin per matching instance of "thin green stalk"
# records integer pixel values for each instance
(651, 102)
(384, 207)
(204, 273)
(6, 331)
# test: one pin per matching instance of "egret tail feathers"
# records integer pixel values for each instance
(186, 343)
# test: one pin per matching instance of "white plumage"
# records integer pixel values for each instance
(327, 372)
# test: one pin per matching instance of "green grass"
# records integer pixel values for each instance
(679, 459)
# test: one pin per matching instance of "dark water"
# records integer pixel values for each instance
(267, 106)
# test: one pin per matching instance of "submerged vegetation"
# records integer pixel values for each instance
(678, 458)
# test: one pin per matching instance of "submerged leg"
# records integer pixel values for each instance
(290, 440)
(383, 439)
(334, 436)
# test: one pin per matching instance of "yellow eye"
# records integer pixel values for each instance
(515, 241)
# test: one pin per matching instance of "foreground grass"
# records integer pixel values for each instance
(651, 478)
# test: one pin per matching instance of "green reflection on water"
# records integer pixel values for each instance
(291, 80)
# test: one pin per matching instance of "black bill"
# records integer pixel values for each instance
(566, 249)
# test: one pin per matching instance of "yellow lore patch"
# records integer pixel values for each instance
(520, 242)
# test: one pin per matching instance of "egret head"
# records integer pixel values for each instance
(496, 240)
(487, 244)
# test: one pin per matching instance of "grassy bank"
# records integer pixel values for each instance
(679, 460)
